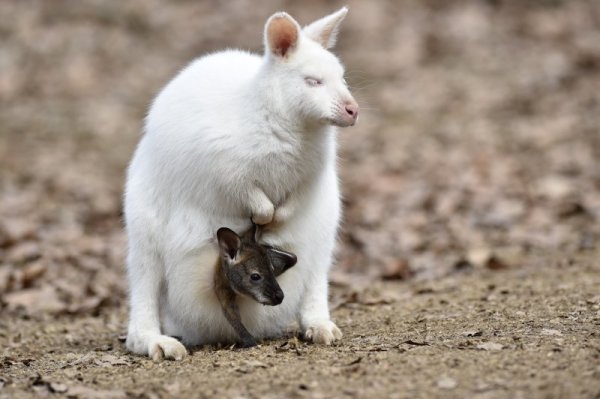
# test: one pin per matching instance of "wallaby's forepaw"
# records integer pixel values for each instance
(282, 214)
(264, 214)
(323, 332)
(164, 347)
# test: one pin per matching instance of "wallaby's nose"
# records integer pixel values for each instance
(278, 297)
(352, 110)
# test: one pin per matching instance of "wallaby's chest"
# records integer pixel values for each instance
(282, 171)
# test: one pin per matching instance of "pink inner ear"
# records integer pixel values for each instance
(283, 35)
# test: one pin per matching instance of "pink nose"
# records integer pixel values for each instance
(352, 110)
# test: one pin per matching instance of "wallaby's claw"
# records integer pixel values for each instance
(165, 347)
(324, 333)
(262, 218)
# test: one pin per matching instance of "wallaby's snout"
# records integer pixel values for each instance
(352, 111)
(346, 114)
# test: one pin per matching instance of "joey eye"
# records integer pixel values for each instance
(313, 81)
(255, 277)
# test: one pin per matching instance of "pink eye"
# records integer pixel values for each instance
(313, 81)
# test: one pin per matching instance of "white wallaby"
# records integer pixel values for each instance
(233, 136)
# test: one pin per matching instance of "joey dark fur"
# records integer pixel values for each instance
(246, 267)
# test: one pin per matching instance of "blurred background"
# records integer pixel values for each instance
(478, 143)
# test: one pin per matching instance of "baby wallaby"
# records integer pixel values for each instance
(246, 267)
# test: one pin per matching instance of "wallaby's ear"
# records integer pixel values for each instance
(281, 260)
(324, 31)
(282, 33)
(229, 243)
(253, 234)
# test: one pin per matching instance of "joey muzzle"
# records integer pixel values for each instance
(275, 297)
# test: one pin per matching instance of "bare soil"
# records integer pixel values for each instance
(527, 333)
(468, 260)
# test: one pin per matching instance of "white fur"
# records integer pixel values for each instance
(233, 136)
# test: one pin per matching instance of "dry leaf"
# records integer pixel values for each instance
(551, 332)
(24, 252)
(396, 270)
(32, 272)
(35, 300)
(490, 346)
(56, 387)
(112, 360)
(15, 230)
(255, 364)
(83, 392)
(447, 383)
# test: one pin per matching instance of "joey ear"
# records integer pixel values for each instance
(229, 243)
(281, 260)
(282, 33)
(324, 31)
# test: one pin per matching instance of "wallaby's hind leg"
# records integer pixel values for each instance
(315, 319)
(144, 336)
(314, 312)
(318, 257)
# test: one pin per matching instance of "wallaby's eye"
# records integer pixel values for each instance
(255, 276)
(313, 81)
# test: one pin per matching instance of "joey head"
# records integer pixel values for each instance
(248, 268)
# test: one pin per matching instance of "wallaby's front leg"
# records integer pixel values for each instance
(286, 209)
(261, 207)
(144, 336)
(232, 314)
(246, 339)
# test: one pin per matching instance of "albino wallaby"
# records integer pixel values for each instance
(237, 135)
(246, 267)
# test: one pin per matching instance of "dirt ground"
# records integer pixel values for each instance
(468, 259)
(528, 333)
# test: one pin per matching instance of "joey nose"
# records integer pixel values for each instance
(352, 110)
(278, 297)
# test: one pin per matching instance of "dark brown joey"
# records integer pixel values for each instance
(246, 267)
